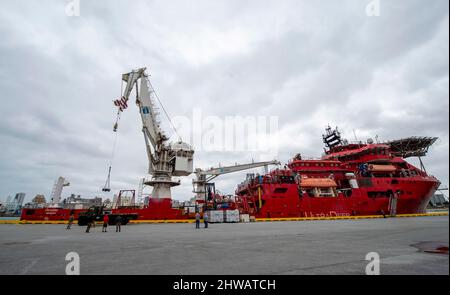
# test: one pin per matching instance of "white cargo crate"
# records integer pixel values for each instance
(215, 216)
(245, 218)
(232, 215)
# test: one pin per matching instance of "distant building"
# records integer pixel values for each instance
(15, 204)
(77, 202)
(439, 200)
(39, 199)
(107, 203)
(123, 201)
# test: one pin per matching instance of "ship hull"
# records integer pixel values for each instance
(49, 214)
(158, 209)
(412, 196)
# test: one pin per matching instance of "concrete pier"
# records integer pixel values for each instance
(303, 247)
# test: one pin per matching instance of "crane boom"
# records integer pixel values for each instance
(147, 108)
(204, 176)
(165, 160)
(230, 169)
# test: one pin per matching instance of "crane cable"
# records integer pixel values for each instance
(113, 149)
(165, 112)
(107, 186)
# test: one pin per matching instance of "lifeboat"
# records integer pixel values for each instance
(318, 182)
(382, 168)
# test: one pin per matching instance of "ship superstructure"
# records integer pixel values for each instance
(350, 179)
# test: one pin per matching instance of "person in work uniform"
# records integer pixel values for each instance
(118, 223)
(105, 222)
(71, 219)
(205, 219)
(197, 220)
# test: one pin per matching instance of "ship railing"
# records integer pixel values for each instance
(356, 142)
(305, 158)
(362, 142)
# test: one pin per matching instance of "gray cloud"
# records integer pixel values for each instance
(308, 62)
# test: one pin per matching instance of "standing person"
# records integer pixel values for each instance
(71, 218)
(118, 223)
(105, 222)
(89, 225)
(197, 220)
(205, 219)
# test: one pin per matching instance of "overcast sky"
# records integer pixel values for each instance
(309, 63)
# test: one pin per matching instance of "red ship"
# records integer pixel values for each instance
(157, 209)
(350, 179)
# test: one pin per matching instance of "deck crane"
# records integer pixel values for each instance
(165, 160)
(202, 177)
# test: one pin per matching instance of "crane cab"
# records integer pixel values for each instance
(184, 160)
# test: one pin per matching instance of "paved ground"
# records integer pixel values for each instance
(309, 247)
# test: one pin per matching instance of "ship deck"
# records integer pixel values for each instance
(311, 247)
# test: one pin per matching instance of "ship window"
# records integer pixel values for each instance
(280, 190)
(287, 179)
(311, 193)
